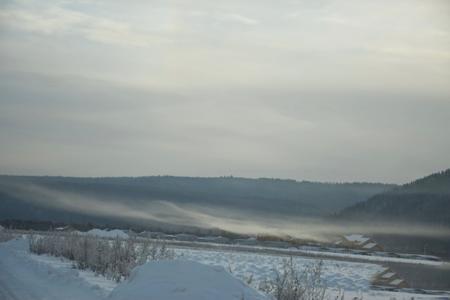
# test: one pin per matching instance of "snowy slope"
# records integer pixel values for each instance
(182, 280)
(23, 278)
(27, 276)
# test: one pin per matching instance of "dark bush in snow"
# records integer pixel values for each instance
(291, 283)
(111, 258)
(5, 235)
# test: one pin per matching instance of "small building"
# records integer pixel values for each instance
(388, 278)
(372, 246)
(358, 241)
(399, 283)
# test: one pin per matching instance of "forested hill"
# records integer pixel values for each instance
(423, 201)
(437, 183)
(254, 195)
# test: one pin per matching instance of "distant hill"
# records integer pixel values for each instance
(423, 201)
(257, 196)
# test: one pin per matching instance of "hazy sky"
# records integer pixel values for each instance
(318, 90)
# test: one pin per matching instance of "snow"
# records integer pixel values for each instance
(337, 274)
(108, 233)
(24, 278)
(396, 281)
(100, 283)
(388, 275)
(1, 228)
(369, 245)
(357, 238)
(187, 280)
(27, 276)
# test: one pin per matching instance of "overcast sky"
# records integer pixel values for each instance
(316, 90)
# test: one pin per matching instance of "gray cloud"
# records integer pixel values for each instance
(330, 90)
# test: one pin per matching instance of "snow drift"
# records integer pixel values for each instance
(108, 233)
(187, 280)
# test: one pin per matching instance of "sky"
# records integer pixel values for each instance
(327, 90)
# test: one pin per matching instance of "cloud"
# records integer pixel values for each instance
(76, 126)
(239, 19)
(52, 21)
(340, 90)
(60, 21)
(205, 45)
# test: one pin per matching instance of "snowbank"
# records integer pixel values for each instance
(22, 277)
(187, 280)
(108, 233)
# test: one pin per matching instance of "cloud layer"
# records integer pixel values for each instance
(328, 90)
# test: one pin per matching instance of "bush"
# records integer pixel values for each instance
(113, 259)
(291, 283)
(5, 235)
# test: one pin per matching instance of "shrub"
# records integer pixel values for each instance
(113, 259)
(6, 235)
(291, 283)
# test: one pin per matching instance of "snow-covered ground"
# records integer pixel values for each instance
(373, 257)
(93, 281)
(183, 280)
(337, 274)
(26, 276)
(317, 252)
(23, 277)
